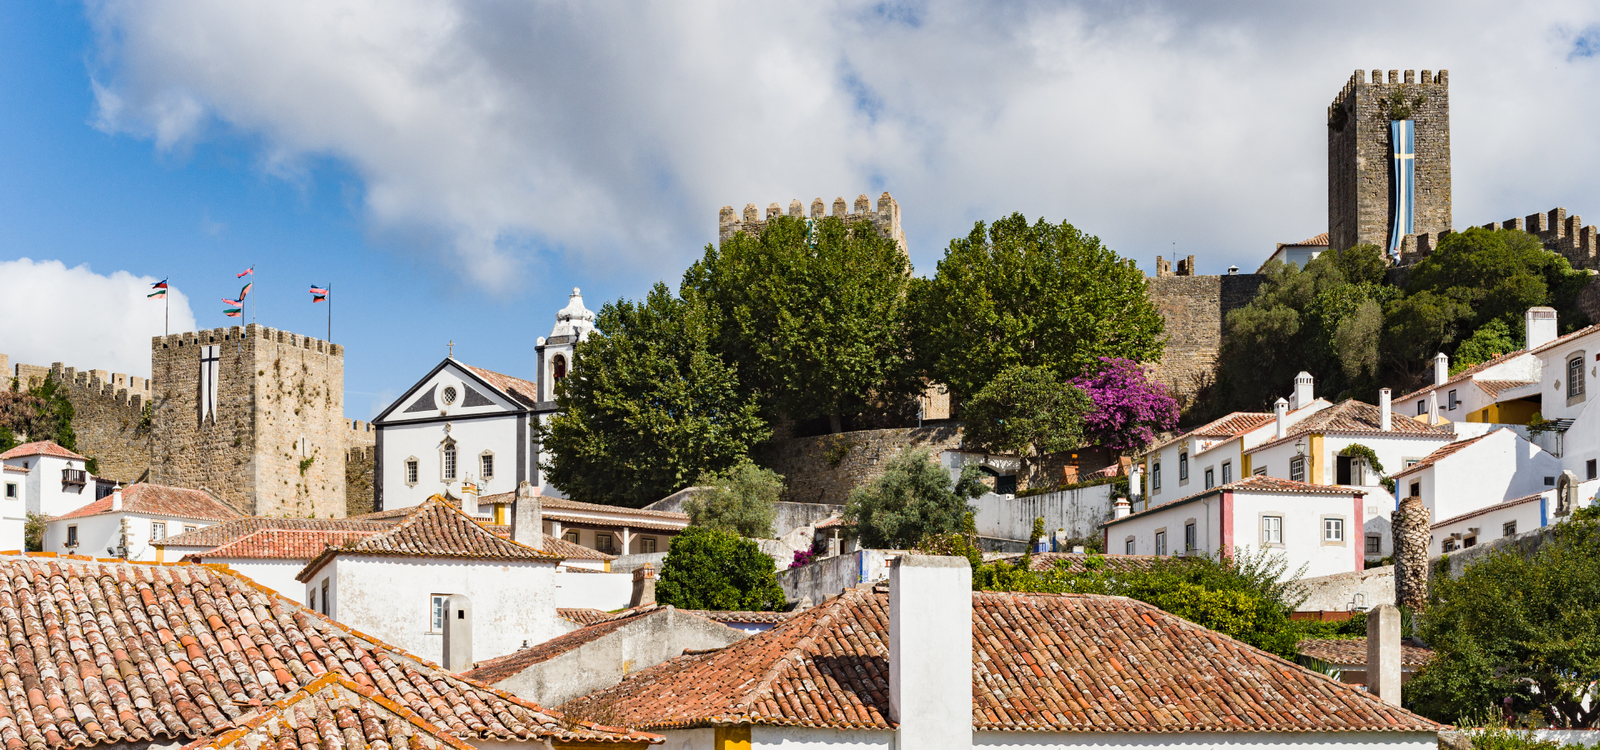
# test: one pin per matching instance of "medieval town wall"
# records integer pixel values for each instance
(826, 468)
(1195, 309)
(886, 219)
(108, 413)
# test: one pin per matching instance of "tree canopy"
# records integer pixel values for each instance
(647, 406)
(743, 500)
(1026, 412)
(715, 569)
(40, 412)
(1011, 294)
(913, 499)
(1126, 409)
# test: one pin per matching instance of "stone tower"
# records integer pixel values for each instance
(254, 415)
(885, 218)
(1363, 179)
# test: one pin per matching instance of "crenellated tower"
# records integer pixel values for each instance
(886, 218)
(1389, 161)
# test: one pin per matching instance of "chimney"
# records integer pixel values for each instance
(1383, 653)
(930, 652)
(1541, 326)
(527, 524)
(1385, 411)
(1136, 482)
(457, 633)
(1441, 368)
(116, 499)
(644, 586)
(1303, 387)
(1281, 409)
(1121, 508)
(469, 500)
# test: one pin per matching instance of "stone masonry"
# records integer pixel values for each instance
(886, 218)
(278, 443)
(108, 413)
(825, 468)
(1411, 539)
(1194, 309)
(1360, 183)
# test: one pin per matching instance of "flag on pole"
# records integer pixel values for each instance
(233, 312)
(232, 302)
(160, 292)
(246, 290)
(247, 272)
(318, 294)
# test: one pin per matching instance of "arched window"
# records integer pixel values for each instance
(559, 366)
(450, 462)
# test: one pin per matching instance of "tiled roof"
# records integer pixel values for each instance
(41, 448)
(1353, 651)
(1319, 240)
(522, 391)
(1358, 417)
(495, 670)
(1466, 374)
(160, 500)
(1567, 338)
(1252, 483)
(564, 548)
(546, 502)
(435, 529)
(333, 712)
(1439, 453)
(833, 522)
(1495, 387)
(239, 528)
(282, 544)
(641, 524)
(105, 653)
(726, 616)
(584, 615)
(1040, 662)
(1236, 423)
(552, 545)
(1485, 510)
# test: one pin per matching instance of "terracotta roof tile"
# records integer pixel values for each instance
(640, 524)
(1495, 387)
(1353, 651)
(726, 616)
(40, 448)
(1040, 662)
(1357, 417)
(584, 615)
(1231, 425)
(103, 653)
(160, 500)
(495, 670)
(435, 529)
(546, 502)
(333, 712)
(521, 391)
(282, 544)
(239, 528)
(1487, 509)
(572, 551)
(1469, 372)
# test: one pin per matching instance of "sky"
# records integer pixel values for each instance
(454, 169)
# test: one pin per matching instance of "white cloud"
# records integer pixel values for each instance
(50, 313)
(610, 133)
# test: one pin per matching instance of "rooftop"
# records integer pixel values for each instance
(495, 670)
(435, 529)
(239, 528)
(160, 500)
(1486, 509)
(1040, 662)
(40, 448)
(1353, 651)
(522, 391)
(325, 714)
(1358, 417)
(281, 544)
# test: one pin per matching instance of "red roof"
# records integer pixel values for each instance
(495, 670)
(160, 500)
(1040, 663)
(1485, 510)
(1232, 425)
(330, 713)
(1465, 374)
(521, 391)
(584, 615)
(41, 448)
(1358, 417)
(435, 529)
(1495, 387)
(1353, 652)
(228, 532)
(282, 544)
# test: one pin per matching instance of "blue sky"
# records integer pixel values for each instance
(454, 169)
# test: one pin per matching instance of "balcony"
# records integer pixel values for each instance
(77, 477)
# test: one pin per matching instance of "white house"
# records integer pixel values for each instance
(273, 557)
(394, 584)
(1466, 475)
(609, 528)
(1299, 253)
(1483, 392)
(130, 522)
(932, 665)
(1569, 366)
(1314, 527)
(52, 480)
(1518, 515)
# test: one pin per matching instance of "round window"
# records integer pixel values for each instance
(449, 395)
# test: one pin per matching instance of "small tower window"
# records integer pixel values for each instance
(448, 396)
(559, 367)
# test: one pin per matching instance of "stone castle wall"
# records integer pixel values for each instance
(825, 468)
(1360, 153)
(1195, 308)
(886, 218)
(108, 410)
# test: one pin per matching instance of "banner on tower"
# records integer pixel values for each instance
(210, 362)
(1402, 133)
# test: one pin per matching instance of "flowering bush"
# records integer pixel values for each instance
(802, 557)
(1128, 409)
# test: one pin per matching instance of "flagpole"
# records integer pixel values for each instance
(330, 313)
(166, 319)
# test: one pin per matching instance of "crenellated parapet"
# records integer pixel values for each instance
(253, 331)
(885, 217)
(1561, 234)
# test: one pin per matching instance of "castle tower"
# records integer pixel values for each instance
(1389, 160)
(255, 416)
(885, 218)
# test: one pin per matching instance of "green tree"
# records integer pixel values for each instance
(715, 569)
(1011, 294)
(813, 312)
(743, 500)
(1523, 627)
(1491, 340)
(43, 412)
(914, 499)
(1499, 274)
(1027, 412)
(648, 406)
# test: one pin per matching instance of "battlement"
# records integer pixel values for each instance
(128, 389)
(240, 333)
(1358, 81)
(1561, 234)
(1164, 267)
(886, 218)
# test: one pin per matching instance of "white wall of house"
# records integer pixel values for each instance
(1205, 513)
(806, 738)
(1469, 397)
(1491, 525)
(1555, 401)
(425, 442)
(98, 534)
(1210, 452)
(639, 540)
(42, 489)
(1580, 444)
(277, 575)
(1395, 452)
(602, 591)
(13, 508)
(390, 598)
(1499, 467)
(1302, 529)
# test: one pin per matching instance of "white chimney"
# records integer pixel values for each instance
(1281, 409)
(1541, 326)
(1303, 391)
(1441, 368)
(1385, 411)
(930, 652)
(116, 499)
(457, 633)
(469, 500)
(1136, 482)
(1121, 508)
(527, 524)
(1383, 653)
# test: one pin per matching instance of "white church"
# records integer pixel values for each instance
(463, 429)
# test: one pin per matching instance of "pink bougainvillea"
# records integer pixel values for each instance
(1128, 409)
(802, 557)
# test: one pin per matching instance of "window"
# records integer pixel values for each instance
(1589, 468)
(411, 471)
(158, 530)
(1452, 400)
(1155, 477)
(1549, 481)
(72, 536)
(450, 463)
(325, 604)
(1509, 529)
(1272, 529)
(1416, 489)
(1447, 545)
(1210, 478)
(11, 488)
(436, 608)
(311, 600)
(1422, 407)
(571, 536)
(1260, 471)
(187, 528)
(449, 395)
(602, 542)
(1343, 469)
(1575, 377)
(486, 466)
(1297, 468)
(1183, 468)
(1227, 472)
(1470, 541)
(1333, 530)
(1374, 544)
(1127, 546)
(560, 367)
(647, 544)
(1191, 540)
(1161, 542)
(1005, 485)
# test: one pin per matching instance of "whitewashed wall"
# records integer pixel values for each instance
(1302, 529)
(806, 738)
(1581, 442)
(42, 489)
(602, 591)
(97, 533)
(277, 575)
(1554, 403)
(1079, 511)
(1500, 467)
(402, 441)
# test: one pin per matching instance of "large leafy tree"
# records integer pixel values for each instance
(743, 500)
(813, 312)
(1013, 294)
(648, 406)
(42, 412)
(715, 569)
(1499, 274)
(914, 499)
(1027, 412)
